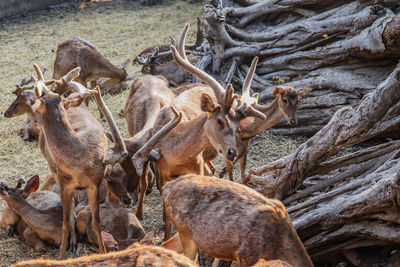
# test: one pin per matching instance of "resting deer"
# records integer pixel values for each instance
(23, 105)
(163, 54)
(170, 70)
(284, 105)
(118, 221)
(205, 123)
(38, 215)
(135, 255)
(230, 221)
(77, 52)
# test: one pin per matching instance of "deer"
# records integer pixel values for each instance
(160, 54)
(284, 105)
(118, 221)
(209, 119)
(230, 221)
(135, 255)
(23, 105)
(38, 216)
(77, 52)
(170, 70)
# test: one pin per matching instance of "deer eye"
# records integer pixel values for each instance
(220, 123)
(284, 101)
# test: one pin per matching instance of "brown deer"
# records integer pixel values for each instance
(163, 54)
(64, 138)
(118, 221)
(135, 255)
(77, 52)
(205, 123)
(230, 221)
(23, 105)
(170, 70)
(284, 105)
(39, 217)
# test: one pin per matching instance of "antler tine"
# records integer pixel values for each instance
(249, 110)
(119, 148)
(246, 98)
(140, 157)
(181, 60)
(40, 83)
(38, 72)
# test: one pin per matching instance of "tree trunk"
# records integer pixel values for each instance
(339, 49)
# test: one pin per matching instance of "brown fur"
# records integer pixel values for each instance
(77, 52)
(115, 220)
(39, 216)
(22, 105)
(174, 74)
(136, 255)
(284, 105)
(63, 137)
(230, 221)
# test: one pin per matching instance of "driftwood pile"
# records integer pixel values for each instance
(348, 52)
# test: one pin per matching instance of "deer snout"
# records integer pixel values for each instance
(231, 154)
(127, 200)
(7, 114)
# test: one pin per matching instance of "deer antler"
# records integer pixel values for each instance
(246, 98)
(40, 85)
(67, 83)
(140, 157)
(119, 149)
(183, 62)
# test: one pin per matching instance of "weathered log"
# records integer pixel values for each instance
(376, 114)
(329, 46)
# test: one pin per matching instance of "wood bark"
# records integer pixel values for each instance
(340, 49)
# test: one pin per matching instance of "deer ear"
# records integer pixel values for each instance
(174, 243)
(277, 91)
(302, 93)
(109, 241)
(148, 238)
(31, 186)
(73, 100)
(207, 105)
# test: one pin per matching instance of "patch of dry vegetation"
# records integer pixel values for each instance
(120, 29)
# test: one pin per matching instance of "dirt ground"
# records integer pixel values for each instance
(120, 29)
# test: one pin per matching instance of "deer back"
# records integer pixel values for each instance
(136, 255)
(231, 221)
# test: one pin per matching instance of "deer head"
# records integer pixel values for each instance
(288, 98)
(224, 118)
(11, 194)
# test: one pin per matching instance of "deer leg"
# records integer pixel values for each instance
(243, 159)
(151, 180)
(143, 189)
(189, 247)
(229, 169)
(93, 195)
(211, 167)
(25, 134)
(33, 240)
(66, 201)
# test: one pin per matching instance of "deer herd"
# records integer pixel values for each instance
(174, 136)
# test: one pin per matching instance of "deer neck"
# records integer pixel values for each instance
(30, 214)
(57, 129)
(189, 139)
(252, 126)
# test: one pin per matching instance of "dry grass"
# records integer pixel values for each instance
(120, 29)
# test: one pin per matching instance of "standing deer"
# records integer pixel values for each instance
(230, 221)
(284, 105)
(75, 147)
(205, 123)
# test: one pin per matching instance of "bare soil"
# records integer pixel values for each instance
(120, 29)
